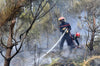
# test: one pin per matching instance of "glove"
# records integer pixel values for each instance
(64, 28)
(66, 31)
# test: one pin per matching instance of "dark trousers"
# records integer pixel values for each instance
(68, 40)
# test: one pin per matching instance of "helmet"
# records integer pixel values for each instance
(77, 34)
(61, 18)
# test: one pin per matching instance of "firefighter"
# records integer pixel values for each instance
(63, 26)
(75, 36)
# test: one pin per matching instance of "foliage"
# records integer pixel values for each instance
(1, 4)
(53, 62)
(92, 58)
(10, 10)
(80, 62)
(79, 25)
(57, 12)
(41, 25)
(26, 15)
(92, 11)
(47, 7)
(90, 6)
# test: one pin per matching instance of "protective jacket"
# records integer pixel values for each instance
(63, 25)
(67, 36)
(75, 38)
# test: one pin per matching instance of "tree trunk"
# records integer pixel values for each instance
(7, 63)
(93, 33)
(9, 45)
(91, 41)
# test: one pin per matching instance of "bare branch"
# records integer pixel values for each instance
(97, 27)
(36, 15)
(15, 44)
(42, 15)
(2, 55)
(87, 41)
(3, 44)
(19, 47)
(88, 30)
(92, 58)
(42, 8)
(89, 25)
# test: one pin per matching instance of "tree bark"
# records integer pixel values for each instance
(7, 63)
(9, 45)
(93, 33)
(91, 41)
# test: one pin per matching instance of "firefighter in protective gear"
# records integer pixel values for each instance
(65, 25)
(75, 36)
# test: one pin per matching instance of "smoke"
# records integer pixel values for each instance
(26, 58)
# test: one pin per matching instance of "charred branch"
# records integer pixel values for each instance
(15, 44)
(37, 16)
(42, 15)
(3, 45)
(19, 47)
(2, 55)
